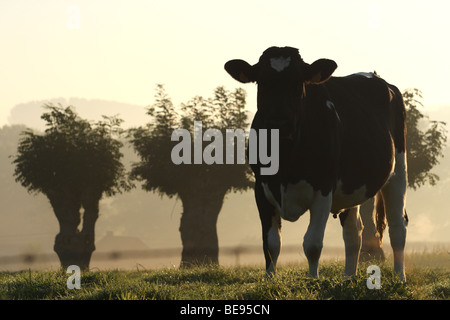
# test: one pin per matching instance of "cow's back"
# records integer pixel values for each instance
(367, 150)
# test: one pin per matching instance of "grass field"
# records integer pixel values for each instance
(428, 278)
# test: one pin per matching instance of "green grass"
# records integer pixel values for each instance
(247, 283)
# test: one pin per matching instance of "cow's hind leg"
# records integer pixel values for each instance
(352, 233)
(271, 230)
(372, 235)
(394, 196)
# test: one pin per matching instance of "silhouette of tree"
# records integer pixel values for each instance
(74, 163)
(425, 143)
(201, 187)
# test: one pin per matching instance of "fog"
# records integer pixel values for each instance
(139, 220)
(118, 51)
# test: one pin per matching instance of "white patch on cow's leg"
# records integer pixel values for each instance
(313, 240)
(352, 234)
(280, 63)
(394, 195)
(274, 244)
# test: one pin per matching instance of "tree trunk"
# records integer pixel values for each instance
(67, 211)
(72, 246)
(198, 228)
(371, 242)
(90, 202)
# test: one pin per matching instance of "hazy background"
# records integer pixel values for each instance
(106, 57)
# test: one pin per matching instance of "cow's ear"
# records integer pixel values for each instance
(320, 71)
(240, 70)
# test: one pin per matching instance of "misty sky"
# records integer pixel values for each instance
(119, 50)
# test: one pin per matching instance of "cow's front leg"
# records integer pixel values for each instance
(313, 240)
(271, 230)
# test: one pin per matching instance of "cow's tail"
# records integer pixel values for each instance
(399, 118)
(380, 215)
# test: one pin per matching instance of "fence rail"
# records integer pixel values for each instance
(25, 261)
(28, 260)
(237, 252)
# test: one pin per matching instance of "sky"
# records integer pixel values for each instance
(109, 50)
(120, 50)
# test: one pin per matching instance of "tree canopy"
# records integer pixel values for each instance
(201, 186)
(72, 155)
(425, 141)
(153, 144)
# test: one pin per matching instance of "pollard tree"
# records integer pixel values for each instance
(200, 186)
(425, 143)
(74, 163)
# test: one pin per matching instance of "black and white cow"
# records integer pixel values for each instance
(341, 142)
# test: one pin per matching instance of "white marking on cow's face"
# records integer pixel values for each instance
(281, 63)
(295, 200)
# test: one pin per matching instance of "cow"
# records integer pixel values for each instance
(342, 141)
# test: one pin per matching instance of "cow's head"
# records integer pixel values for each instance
(281, 75)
